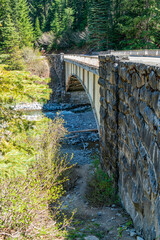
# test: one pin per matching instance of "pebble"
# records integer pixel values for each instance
(91, 238)
(139, 238)
(133, 233)
(93, 220)
(118, 214)
(99, 214)
(112, 209)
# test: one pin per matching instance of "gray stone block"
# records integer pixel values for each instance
(132, 104)
(113, 78)
(129, 89)
(146, 95)
(157, 212)
(102, 82)
(129, 78)
(115, 67)
(146, 187)
(158, 84)
(135, 79)
(102, 92)
(123, 107)
(155, 158)
(153, 178)
(158, 71)
(146, 136)
(136, 94)
(121, 94)
(102, 112)
(155, 103)
(152, 80)
(123, 73)
(110, 99)
(147, 113)
(136, 193)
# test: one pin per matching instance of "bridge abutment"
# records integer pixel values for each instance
(130, 143)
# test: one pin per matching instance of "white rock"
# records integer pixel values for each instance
(118, 214)
(99, 214)
(139, 238)
(133, 233)
(93, 220)
(91, 238)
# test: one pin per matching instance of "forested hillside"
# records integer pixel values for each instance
(61, 24)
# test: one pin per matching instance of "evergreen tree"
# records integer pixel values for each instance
(67, 19)
(20, 14)
(8, 35)
(100, 24)
(16, 29)
(138, 22)
(37, 30)
(80, 10)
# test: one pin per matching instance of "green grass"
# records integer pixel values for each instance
(100, 191)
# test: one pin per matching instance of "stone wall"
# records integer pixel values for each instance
(57, 77)
(130, 137)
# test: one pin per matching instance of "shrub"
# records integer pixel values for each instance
(35, 63)
(15, 60)
(46, 39)
(100, 191)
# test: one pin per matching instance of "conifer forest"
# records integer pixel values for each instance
(61, 24)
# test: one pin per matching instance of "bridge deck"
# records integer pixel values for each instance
(146, 60)
(93, 60)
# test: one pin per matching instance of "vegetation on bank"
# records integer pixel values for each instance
(32, 172)
(100, 188)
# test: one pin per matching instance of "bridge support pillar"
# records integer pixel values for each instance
(57, 75)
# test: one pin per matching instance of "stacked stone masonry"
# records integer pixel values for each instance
(130, 137)
(58, 86)
(57, 83)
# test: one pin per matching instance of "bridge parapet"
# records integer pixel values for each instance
(144, 52)
(85, 59)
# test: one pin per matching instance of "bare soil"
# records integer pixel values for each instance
(104, 223)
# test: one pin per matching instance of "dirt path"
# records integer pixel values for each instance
(92, 223)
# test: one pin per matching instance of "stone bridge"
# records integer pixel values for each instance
(124, 91)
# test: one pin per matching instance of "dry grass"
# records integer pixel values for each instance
(35, 63)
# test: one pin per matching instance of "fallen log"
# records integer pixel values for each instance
(84, 130)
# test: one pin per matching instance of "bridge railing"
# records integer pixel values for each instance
(144, 52)
(85, 59)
